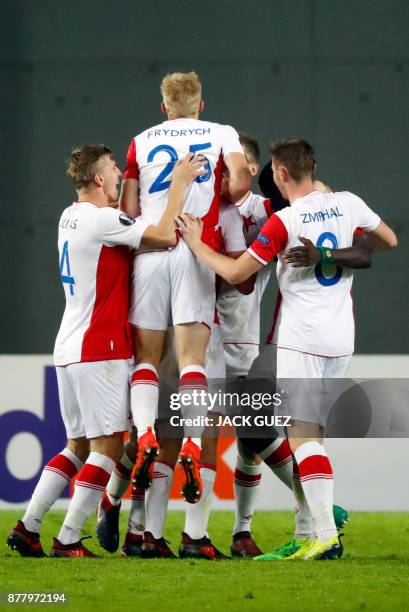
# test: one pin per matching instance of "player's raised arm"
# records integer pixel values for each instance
(236, 163)
(234, 271)
(307, 254)
(184, 173)
(383, 237)
(129, 198)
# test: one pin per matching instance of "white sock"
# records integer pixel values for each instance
(89, 486)
(119, 480)
(157, 499)
(279, 458)
(136, 521)
(247, 479)
(317, 481)
(54, 478)
(144, 397)
(303, 519)
(193, 379)
(197, 515)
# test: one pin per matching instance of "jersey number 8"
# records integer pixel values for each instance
(327, 281)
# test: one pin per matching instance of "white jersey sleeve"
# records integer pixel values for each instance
(116, 228)
(362, 215)
(230, 142)
(255, 210)
(231, 225)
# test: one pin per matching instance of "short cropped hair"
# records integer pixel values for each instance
(250, 145)
(82, 164)
(297, 155)
(182, 93)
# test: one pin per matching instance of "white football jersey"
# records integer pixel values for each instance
(314, 313)
(94, 257)
(231, 226)
(240, 314)
(153, 154)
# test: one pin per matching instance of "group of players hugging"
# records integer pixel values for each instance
(139, 273)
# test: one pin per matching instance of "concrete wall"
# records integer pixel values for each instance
(335, 72)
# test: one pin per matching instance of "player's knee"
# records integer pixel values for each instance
(111, 446)
(80, 448)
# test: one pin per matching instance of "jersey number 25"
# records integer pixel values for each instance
(160, 183)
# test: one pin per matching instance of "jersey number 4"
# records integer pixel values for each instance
(161, 182)
(65, 269)
(327, 281)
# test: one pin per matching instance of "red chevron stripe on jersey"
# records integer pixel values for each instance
(108, 334)
(132, 168)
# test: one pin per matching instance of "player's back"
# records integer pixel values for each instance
(316, 310)
(158, 148)
(95, 278)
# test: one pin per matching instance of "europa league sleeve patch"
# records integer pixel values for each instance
(125, 220)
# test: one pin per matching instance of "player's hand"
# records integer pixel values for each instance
(303, 256)
(191, 228)
(188, 169)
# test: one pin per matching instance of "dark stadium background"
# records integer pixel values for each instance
(335, 72)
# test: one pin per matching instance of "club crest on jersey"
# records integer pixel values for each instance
(125, 220)
(263, 239)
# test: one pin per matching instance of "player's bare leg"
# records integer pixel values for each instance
(148, 346)
(191, 342)
(89, 485)
(195, 540)
(25, 537)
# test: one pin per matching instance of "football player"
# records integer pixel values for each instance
(314, 325)
(171, 283)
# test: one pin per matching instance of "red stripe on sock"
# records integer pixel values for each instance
(92, 476)
(243, 478)
(144, 375)
(193, 379)
(122, 470)
(138, 493)
(198, 375)
(62, 464)
(314, 465)
(208, 466)
(280, 456)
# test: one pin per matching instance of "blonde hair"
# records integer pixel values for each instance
(182, 93)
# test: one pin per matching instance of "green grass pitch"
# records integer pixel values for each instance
(372, 575)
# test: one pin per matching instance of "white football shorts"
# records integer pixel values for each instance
(308, 384)
(171, 287)
(239, 358)
(94, 397)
